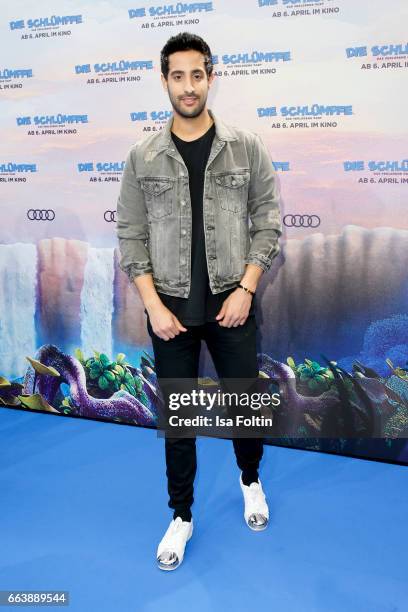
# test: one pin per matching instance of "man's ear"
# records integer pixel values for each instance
(163, 80)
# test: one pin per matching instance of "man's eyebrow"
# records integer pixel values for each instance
(182, 71)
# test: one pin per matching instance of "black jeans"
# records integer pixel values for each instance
(233, 351)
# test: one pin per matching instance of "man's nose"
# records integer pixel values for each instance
(189, 86)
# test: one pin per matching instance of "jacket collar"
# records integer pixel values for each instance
(222, 131)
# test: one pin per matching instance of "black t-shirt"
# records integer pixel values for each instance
(201, 305)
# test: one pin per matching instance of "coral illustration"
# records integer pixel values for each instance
(52, 367)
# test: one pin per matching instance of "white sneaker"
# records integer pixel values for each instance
(170, 551)
(256, 511)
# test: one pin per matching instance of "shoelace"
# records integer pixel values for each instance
(257, 496)
(175, 527)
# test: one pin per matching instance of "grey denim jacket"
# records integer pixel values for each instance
(154, 219)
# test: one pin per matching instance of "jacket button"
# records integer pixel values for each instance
(182, 202)
(181, 173)
(183, 231)
(183, 261)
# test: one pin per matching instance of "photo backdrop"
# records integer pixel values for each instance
(324, 83)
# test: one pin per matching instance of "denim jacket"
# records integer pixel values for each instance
(154, 219)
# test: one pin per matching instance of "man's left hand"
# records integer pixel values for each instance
(235, 308)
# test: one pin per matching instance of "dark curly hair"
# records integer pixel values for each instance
(185, 41)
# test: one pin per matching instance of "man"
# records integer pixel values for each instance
(185, 242)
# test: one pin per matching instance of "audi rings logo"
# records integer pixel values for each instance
(40, 214)
(301, 220)
(110, 216)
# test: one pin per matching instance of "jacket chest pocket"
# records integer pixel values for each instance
(159, 195)
(232, 190)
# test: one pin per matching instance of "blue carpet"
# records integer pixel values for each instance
(84, 505)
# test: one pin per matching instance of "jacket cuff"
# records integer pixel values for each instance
(261, 260)
(137, 269)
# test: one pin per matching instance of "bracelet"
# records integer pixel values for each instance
(246, 289)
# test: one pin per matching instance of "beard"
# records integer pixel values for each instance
(187, 111)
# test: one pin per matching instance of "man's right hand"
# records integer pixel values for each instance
(164, 323)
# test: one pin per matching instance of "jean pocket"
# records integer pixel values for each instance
(159, 195)
(232, 190)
